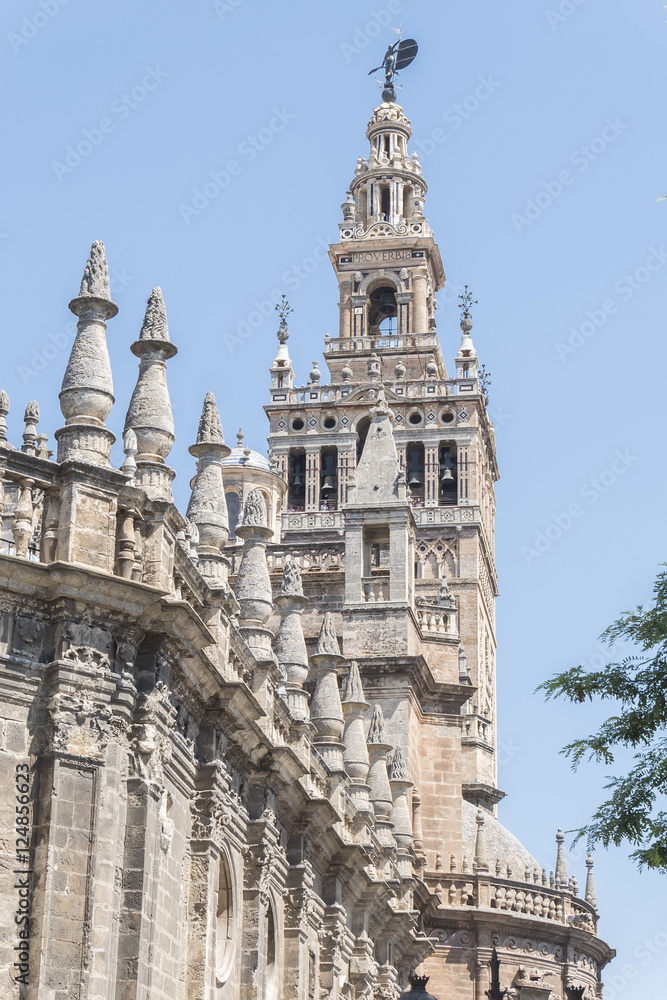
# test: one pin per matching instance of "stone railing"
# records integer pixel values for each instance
(535, 897)
(375, 588)
(389, 342)
(436, 622)
(446, 515)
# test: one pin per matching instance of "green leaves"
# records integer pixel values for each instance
(639, 685)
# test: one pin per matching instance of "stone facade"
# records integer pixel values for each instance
(250, 752)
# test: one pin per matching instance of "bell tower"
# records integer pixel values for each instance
(402, 553)
(387, 263)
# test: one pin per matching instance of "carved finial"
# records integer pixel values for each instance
(95, 281)
(129, 466)
(291, 585)
(315, 373)
(155, 326)
(561, 864)
(327, 641)
(239, 437)
(377, 731)
(254, 511)
(31, 418)
(397, 765)
(354, 691)
(4, 410)
(591, 895)
(210, 427)
(481, 858)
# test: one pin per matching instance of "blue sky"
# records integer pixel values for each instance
(540, 126)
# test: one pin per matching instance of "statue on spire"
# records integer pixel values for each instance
(397, 57)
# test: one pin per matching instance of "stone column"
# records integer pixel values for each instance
(312, 479)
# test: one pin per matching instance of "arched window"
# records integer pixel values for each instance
(233, 509)
(224, 923)
(272, 990)
(382, 310)
(296, 479)
(416, 472)
(447, 488)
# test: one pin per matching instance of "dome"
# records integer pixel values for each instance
(502, 845)
(247, 457)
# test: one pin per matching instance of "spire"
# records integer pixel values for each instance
(590, 894)
(149, 413)
(326, 710)
(289, 644)
(208, 507)
(86, 396)
(561, 864)
(253, 584)
(481, 860)
(4, 410)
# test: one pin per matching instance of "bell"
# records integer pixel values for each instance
(414, 480)
(387, 304)
(297, 480)
(329, 483)
(447, 476)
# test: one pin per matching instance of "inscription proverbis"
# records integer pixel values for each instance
(381, 257)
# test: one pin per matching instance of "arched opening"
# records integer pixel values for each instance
(447, 485)
(296, 480)
(224, 923)
(271, 963)
(362, 434)
(329, 479)
(416, 472)
(382, 310)
(233, 511)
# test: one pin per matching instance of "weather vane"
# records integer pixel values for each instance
(397, 57)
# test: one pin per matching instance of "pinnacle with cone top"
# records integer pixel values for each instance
(590, 894)
(355, 756)
(561, 864)
(208, 507)
(95, 280)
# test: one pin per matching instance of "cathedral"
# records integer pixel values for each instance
(249, 750)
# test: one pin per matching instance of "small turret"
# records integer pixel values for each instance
(400, 784)
(149, 413)
(378, 778)
(207, 507)
(326, 711)
(253, 583)
(289, 644)
(31, 419)
(355, 755)
(87, 396)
